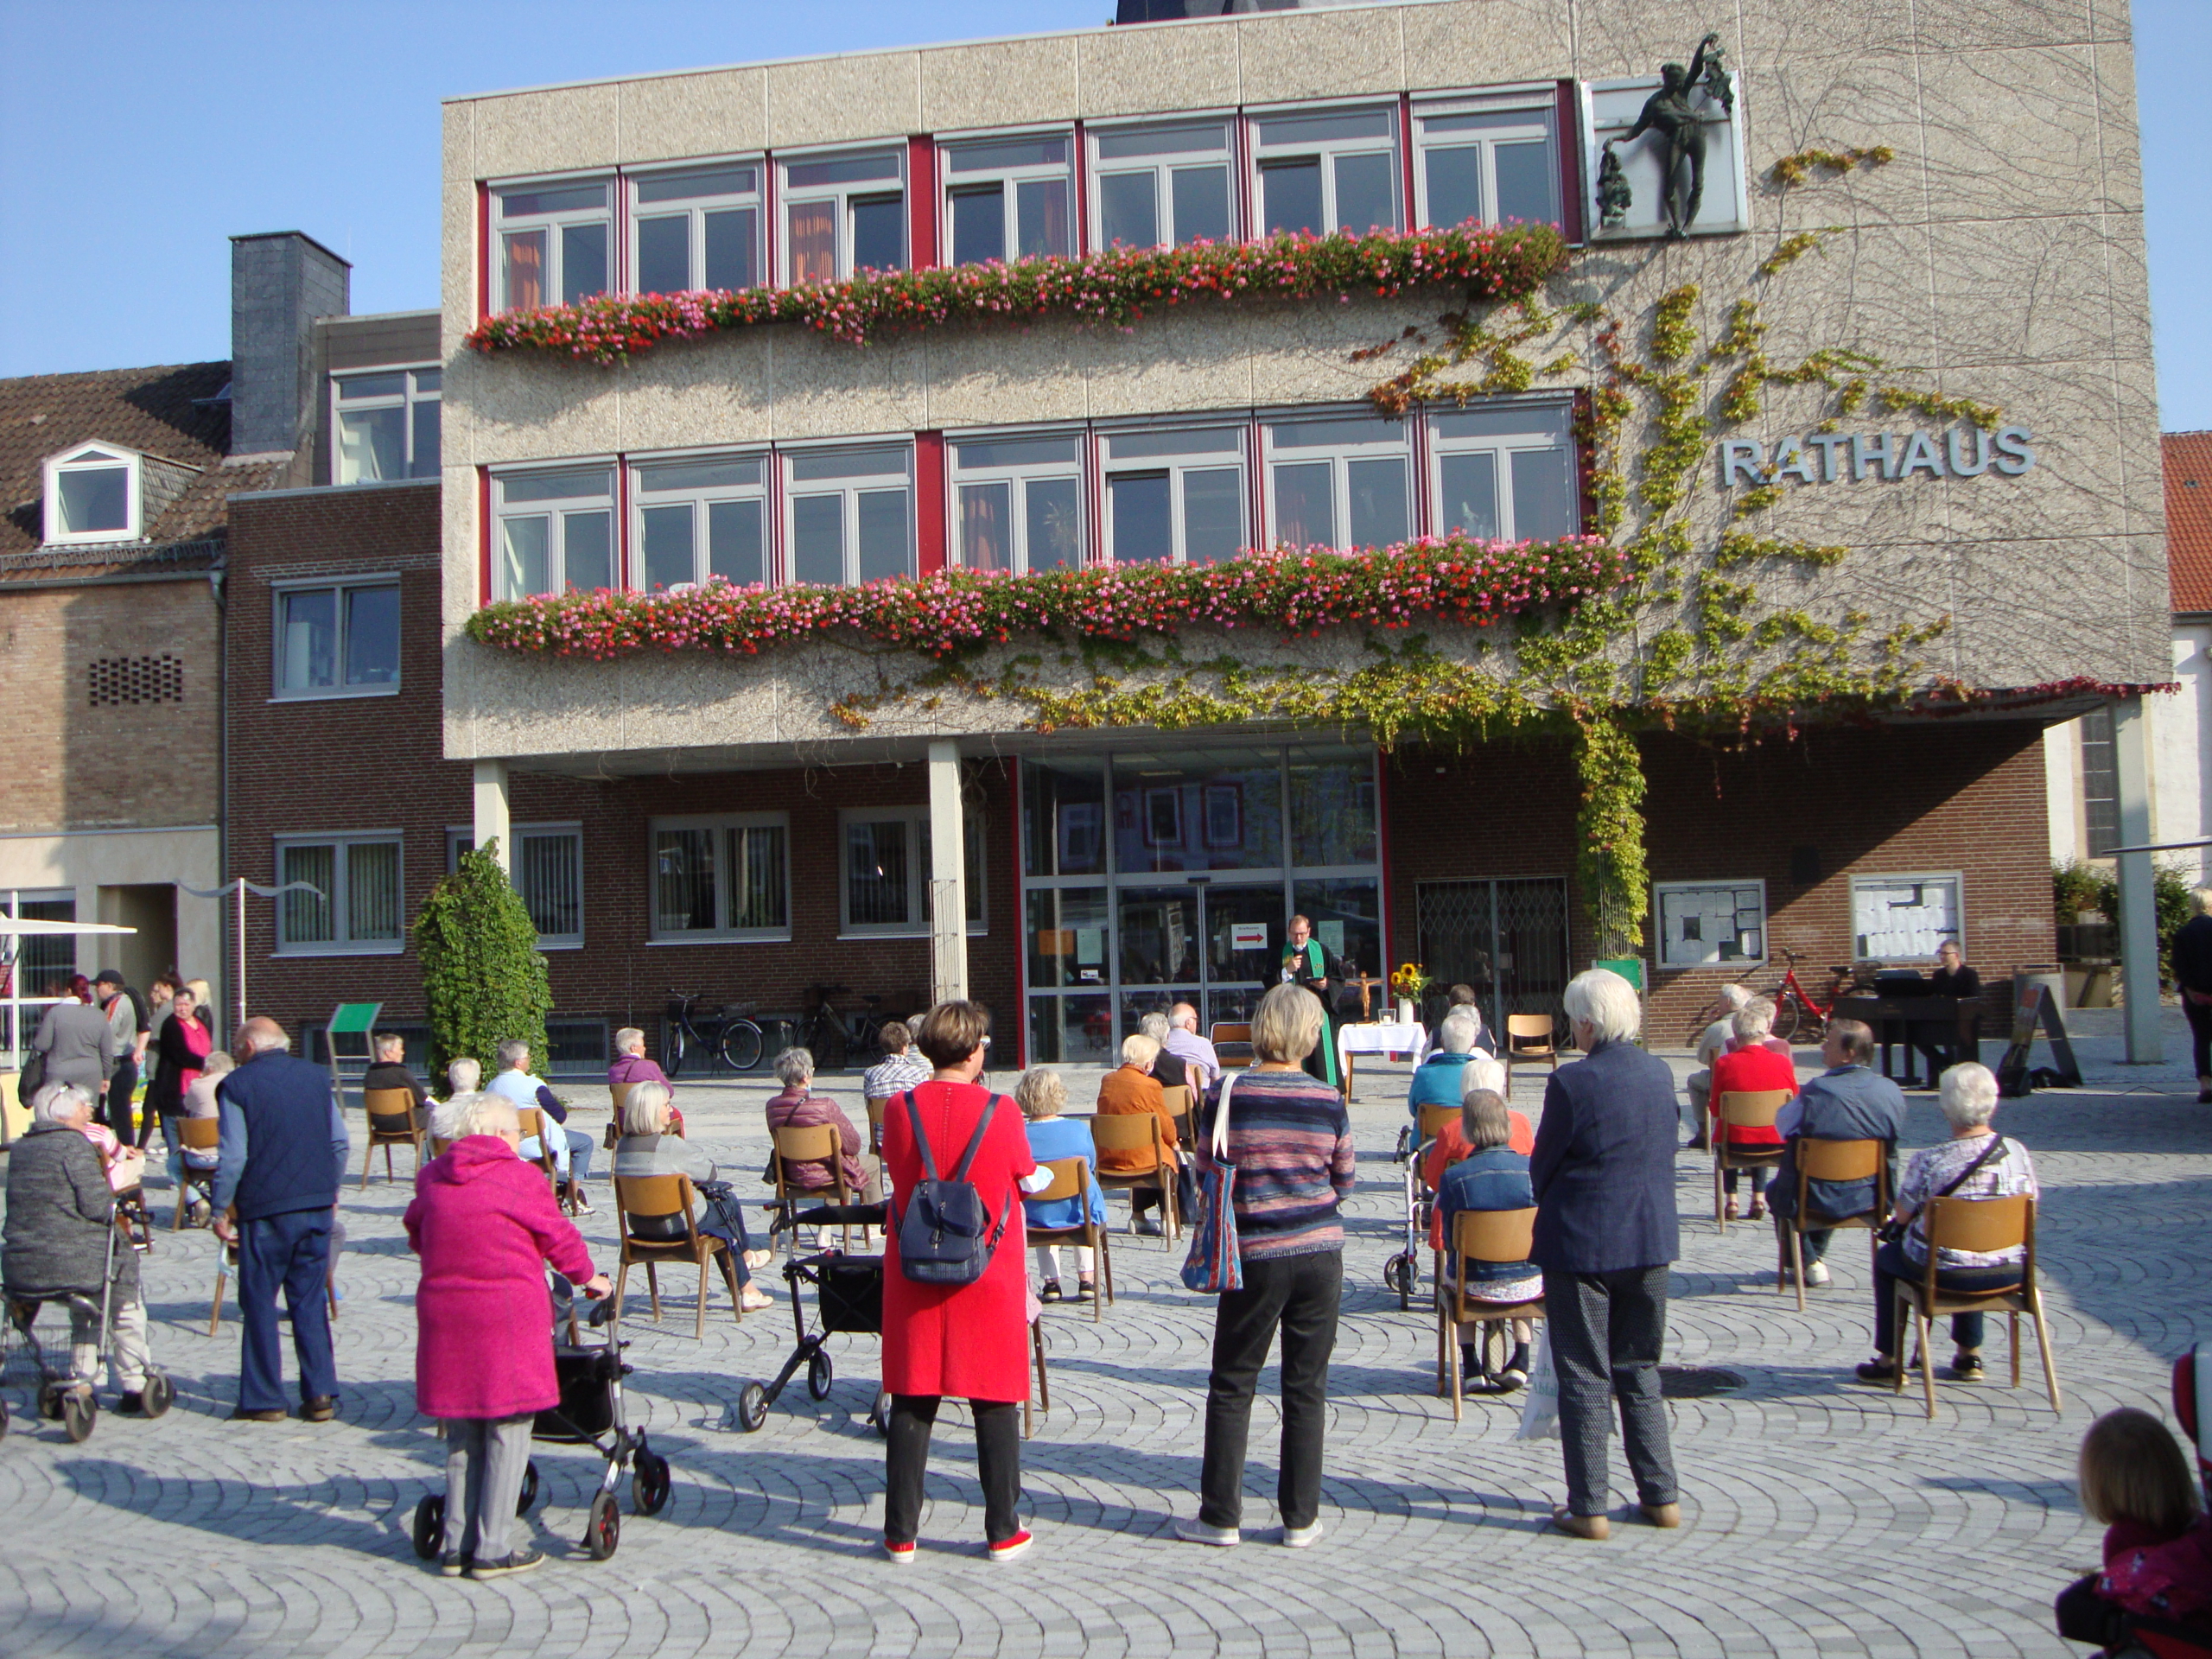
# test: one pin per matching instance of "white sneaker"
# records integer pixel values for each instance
(1817, 1274)
(1195, 1531)
(1299, 1537)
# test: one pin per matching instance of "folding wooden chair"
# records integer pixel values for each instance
(535, 1126)
(1232, 1043)
(1138, 1132)
(1984, 1226)
(1834, 1160)
(1528, 1037)
(649, 1198)
(875, 1106)
(391, 1123)
(195, 1135)
(1489, 1235)
(619, 1095)
(818, 1143)
(1743, 1109)
(1071, 1179)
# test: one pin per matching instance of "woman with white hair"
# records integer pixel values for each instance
(1716, 1039)
(60, 1228)
(1976, 1162)
(486, 1226)
(647, 1148)
(1603, 1172)
(1480, 1073)
(1437, 1080)
(799, 1107)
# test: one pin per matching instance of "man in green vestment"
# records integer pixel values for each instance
(1320, 970)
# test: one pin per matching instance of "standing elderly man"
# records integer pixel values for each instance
(1603, 1172)
(283, 1153)
(1713, 1042)
(1850, 1101)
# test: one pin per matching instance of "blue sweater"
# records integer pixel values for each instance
(1064, 1137)
(283, 1144)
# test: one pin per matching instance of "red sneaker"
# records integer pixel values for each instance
(1007, 1548)
(903, 1554)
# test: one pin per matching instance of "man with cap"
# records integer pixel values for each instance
(126, 1018)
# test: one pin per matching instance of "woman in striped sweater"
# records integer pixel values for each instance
(1290, 1140)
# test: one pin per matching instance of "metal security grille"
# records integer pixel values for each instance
(113, 680)
(1507, 938)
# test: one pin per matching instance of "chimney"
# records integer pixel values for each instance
(280, 283)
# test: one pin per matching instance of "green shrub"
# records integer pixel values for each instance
(483, 978)
(2076, 885)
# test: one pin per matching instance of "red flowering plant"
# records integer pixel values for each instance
(947, 614)
(1117, 286)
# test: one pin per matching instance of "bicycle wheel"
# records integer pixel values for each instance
(1786, 1012)
(741, 1045)
(671, 1049)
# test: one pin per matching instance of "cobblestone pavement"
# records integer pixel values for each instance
(1822, 1516)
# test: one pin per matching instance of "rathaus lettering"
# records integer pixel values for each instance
(1826, 457)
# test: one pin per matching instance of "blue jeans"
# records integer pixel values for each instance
(1891, 1264)
(292, 1250)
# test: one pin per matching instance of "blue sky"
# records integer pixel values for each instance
(135, 138)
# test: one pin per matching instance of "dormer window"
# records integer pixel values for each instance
(92, 495)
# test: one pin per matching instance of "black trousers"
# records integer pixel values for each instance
(2200, 1034)
(1891, 1264)
(2083, 1615)
(1298, 1294)
(1606, 1330)
(115, 1111)
(998, 1464)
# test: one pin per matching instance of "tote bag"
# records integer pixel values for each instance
(1540, 1412)
(1213, 1265)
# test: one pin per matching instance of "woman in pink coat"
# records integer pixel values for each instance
(972, 1341)
(486, 1223)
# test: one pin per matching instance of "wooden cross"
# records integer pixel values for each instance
(1368, 985)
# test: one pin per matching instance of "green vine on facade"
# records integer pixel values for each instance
(1796, 169)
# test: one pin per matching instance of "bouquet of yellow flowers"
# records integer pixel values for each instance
(1408, 980)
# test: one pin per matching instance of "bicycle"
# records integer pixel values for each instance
(730, 1038)
(835, 1038)
(1798, 1014)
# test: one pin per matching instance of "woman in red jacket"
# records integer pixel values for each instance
(486, 1223)
(1750, 1067)
(972, 1341)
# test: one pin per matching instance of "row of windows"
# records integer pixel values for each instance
(1185, 494)
(1490, 158)
(711, 879)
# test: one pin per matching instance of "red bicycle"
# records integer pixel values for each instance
(1799, 1016)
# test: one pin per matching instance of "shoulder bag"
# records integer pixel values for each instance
(946, 1235)
(1891, 1232)
(1214, 1264)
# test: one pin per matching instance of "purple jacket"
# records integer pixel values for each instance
(634, 1068)
(791, 1111)
(486, 1223)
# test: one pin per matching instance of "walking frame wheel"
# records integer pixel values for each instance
(603, 1532)
(820, 1373)
(430, 1527)
(752, 1406)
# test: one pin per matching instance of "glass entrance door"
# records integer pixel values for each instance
(1214, 946)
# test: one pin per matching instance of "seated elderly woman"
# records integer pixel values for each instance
(1451, 1146)
(1976, 1162)
(1042, 1097)
(1437, 1081)
(1131, 1088)
(647, 1148)
(1750, 1066)
(60, 1224)
(486, 1224)
(799, 1107)
(1492, 1176)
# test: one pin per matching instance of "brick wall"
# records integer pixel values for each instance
(1960, 795)
(374, 763)
(75, 765)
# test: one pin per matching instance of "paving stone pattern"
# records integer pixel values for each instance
(1822, 1516)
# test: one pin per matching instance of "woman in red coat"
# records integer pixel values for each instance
(486, 1223)
(972, 1341)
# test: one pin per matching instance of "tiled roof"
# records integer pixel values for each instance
(2189, 518)
(166, 411)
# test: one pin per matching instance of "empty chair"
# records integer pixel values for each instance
(1528, 1037)
(198, 1141)
(1232, 1043)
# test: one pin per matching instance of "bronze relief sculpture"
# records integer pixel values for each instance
(1678, 126)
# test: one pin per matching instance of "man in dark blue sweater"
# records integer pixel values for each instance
(283, 1153)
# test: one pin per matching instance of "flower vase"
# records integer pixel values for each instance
(1405, 1011)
